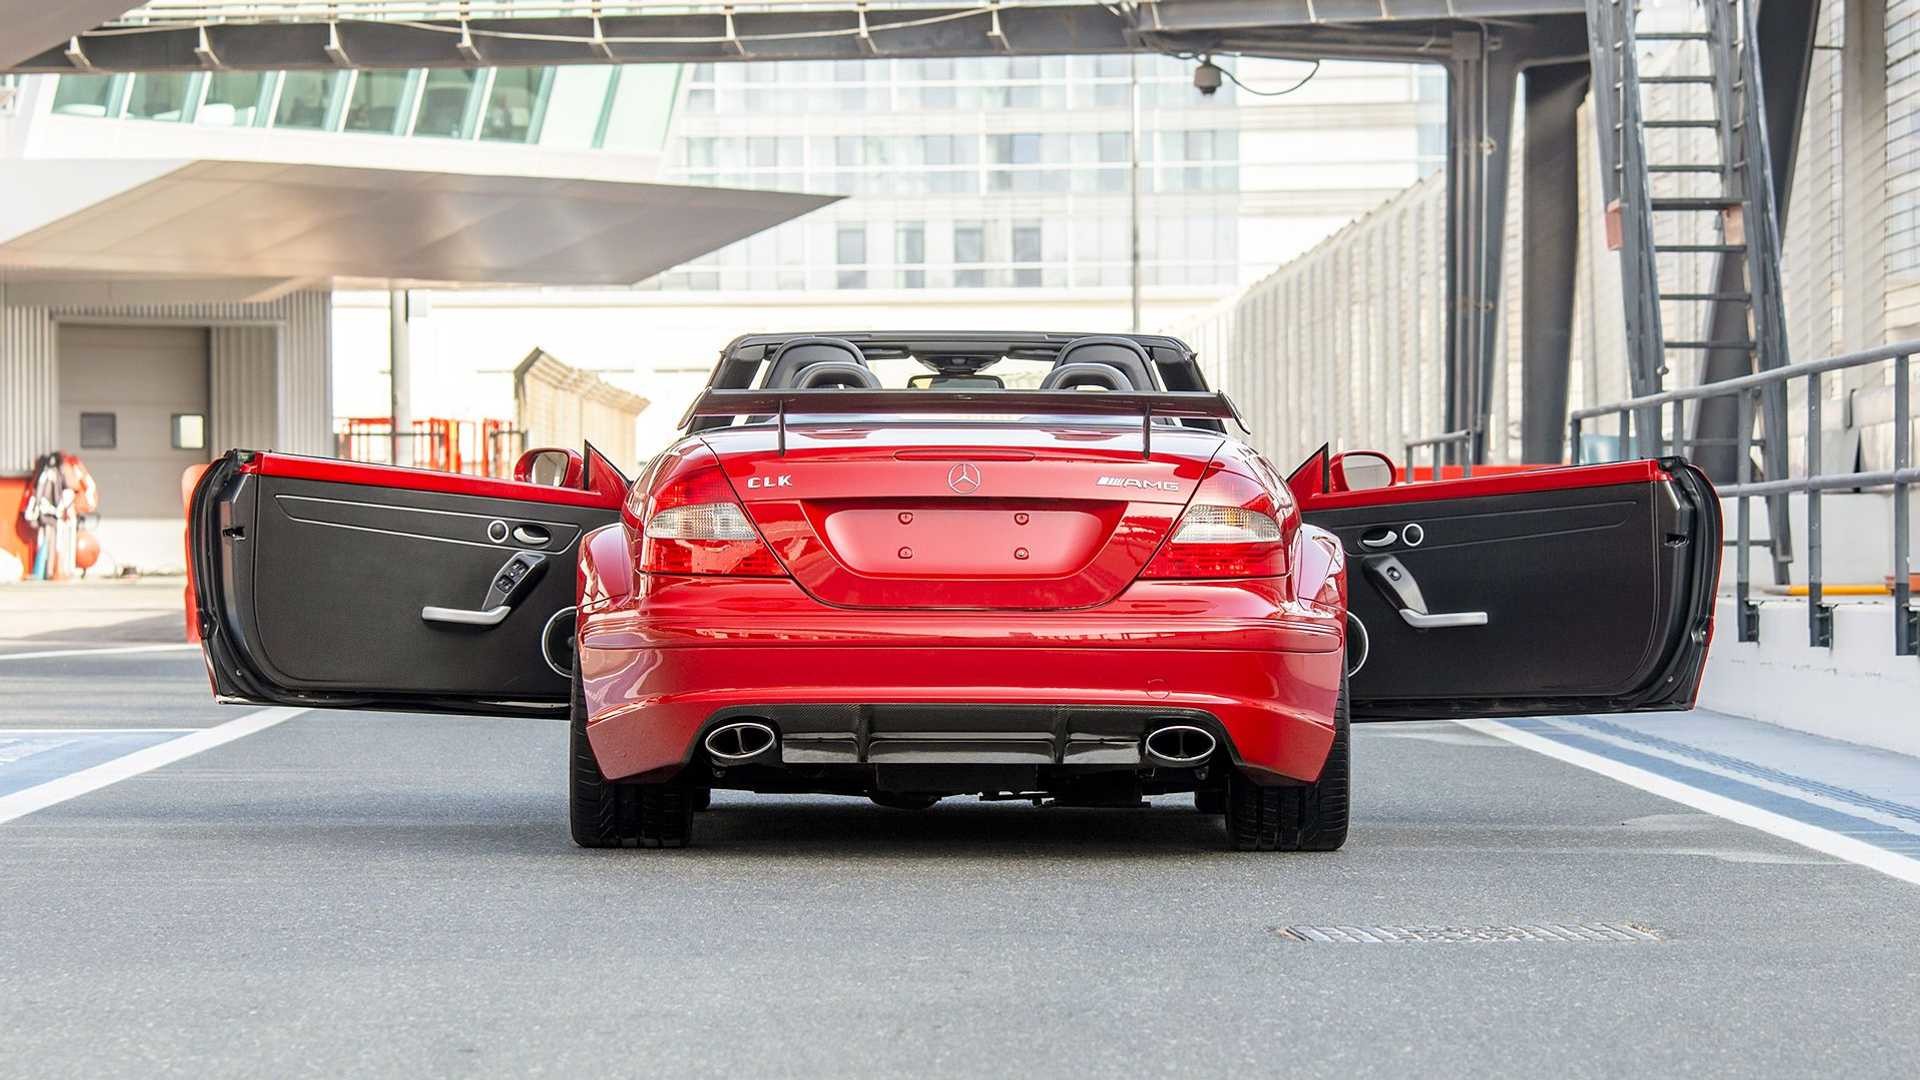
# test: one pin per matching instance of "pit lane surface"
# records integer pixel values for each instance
(376, 894)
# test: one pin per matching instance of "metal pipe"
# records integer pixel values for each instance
(1903, 616)
(1743, 465)
(1133, 185)
(1819, 618)
(1898, 351)
(399, 377)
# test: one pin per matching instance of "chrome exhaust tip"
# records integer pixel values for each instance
(1179, 745)
(740, 741)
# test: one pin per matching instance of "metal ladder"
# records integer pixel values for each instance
(1715, 82)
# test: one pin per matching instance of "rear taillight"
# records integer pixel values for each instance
(692, 523)
(1234, 528)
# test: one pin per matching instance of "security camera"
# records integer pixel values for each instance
(1206, 78)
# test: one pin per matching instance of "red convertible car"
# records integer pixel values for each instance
(915, 565)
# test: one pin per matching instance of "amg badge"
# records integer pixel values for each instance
(1136, 482)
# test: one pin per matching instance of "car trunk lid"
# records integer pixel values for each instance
(963, 515)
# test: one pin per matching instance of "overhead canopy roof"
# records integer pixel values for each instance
(299, 222)
(29, 26)
(187, 35)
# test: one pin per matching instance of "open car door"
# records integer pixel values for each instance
(332, 583)
(1549, 591)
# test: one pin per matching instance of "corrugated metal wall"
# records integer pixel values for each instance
(293, 335)
(1312, 354)
(29, 386)
(243, 377)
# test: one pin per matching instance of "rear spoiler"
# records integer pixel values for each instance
(778, 404)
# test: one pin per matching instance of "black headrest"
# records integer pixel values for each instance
(838, 374)
(1120, 353)
(804, 352)
(1068, 376)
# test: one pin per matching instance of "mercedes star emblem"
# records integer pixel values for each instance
(964, 478)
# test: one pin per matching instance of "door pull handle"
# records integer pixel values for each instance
(1403, 592)
(1379, 538)
(1421, 620)
(492, 616)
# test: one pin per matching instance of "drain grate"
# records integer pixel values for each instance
(1560, 932)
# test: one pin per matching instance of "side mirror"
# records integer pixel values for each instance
(1362, 470)
(550, 466)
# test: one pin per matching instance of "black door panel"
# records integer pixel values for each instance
(490, 531)
(324, 590)
(1575, 600)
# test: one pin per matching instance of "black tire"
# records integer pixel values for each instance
(1211, 800)
(702, 798)
(1300, 817)
(604, 813)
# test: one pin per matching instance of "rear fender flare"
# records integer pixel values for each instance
(1320, 569)
(605, 576)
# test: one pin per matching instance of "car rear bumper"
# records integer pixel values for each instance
(867, 687)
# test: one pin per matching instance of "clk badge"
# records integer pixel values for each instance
(964, 478)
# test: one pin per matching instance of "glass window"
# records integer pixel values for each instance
(86, 95)
(1026, 251)
(99, 430)
(576, 100)
(189, 431)
(969, 246)
(159, 97)
(513, 108)
(910, 250)
(233, 99)
(376, 102)
(304, 97)
(642, 105)
(443, 103)
(850, 249)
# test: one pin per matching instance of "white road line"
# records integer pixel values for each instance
(1825, 841)
(41, 796)
(108, 651)
(5, 731)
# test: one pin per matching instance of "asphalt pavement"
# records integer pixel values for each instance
(365, 894)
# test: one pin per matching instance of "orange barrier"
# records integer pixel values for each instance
(474, 447)
(15, 537)
(188, 480)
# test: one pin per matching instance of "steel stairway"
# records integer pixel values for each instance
(1687, 179)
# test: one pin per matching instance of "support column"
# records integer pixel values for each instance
(1863, 174)
(400, 375)
(1550, 231)
(1480, 98)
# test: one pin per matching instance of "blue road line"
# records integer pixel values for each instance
(1880, 835)
(32, 758)
(1889, 807)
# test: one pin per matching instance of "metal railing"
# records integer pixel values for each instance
(1669, 436)
(1464, 455)
(474, 447)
